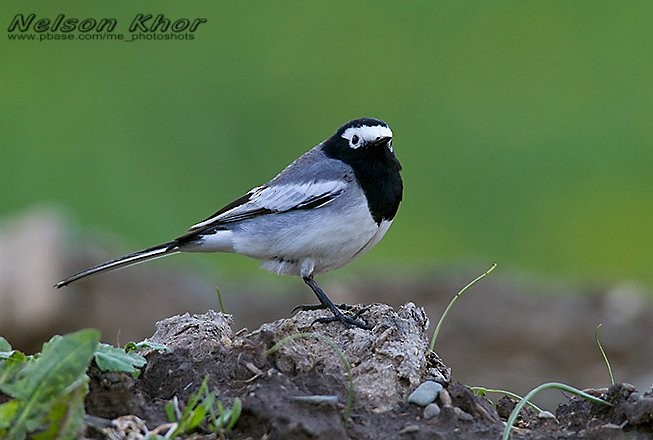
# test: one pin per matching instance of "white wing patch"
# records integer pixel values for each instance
(366, 133)
(280, 198)
(285, 197)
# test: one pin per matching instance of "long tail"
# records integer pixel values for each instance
(152, 253)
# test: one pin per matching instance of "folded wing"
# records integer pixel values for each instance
(274, 199)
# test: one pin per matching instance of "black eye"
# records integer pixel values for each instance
(355, 139)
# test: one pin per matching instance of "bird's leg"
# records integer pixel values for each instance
(327, 303)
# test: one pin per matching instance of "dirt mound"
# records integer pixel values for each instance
(302, 387)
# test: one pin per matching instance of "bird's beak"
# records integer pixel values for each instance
(382, 141)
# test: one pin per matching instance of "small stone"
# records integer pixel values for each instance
(409, 429)
(431, 410)
(611, 426)
(462, 415)
(425, 393)
(546, 415)
(445, 398)
(317, 399)
(437, 376)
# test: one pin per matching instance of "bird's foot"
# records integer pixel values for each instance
(346, 320)
(308, 307)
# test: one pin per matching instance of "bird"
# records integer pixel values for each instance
(328, 207)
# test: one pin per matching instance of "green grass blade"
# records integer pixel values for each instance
(217, 289)
(532, 393)
(481, 391)
(236, 409)
(194, 412)
(605, 357)
(453, 301)
(170, 412)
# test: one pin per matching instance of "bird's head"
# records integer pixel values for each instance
(359, 138)
(366, 133)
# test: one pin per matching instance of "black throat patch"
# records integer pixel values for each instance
(377, 170)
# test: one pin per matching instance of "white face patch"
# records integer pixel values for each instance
(359, 136)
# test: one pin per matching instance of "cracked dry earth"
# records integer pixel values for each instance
(284, 393)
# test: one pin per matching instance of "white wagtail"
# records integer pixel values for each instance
(329, 206)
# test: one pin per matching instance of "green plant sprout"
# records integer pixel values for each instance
(217, 290)
(453, 301)
(605, 357)
(339, 352)
(482, 391)
(200, 407)
(110, 358)
(134, 346)
(47, 389)
(555, 385)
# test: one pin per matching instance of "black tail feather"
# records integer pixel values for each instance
(152, 253)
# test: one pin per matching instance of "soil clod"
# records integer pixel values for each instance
(302, 390)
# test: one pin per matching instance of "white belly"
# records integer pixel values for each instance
(300, 242)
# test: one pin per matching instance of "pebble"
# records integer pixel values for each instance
(546, 415)
(425, 393)
(445, 398)
(611, 426)
(462, 415)
(317, 399)
(431, 410)
(410, 429)
(437, 376)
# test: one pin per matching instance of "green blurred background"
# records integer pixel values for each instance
(524, 128)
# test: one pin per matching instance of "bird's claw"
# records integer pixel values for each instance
(309, 307)
(346, 320)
